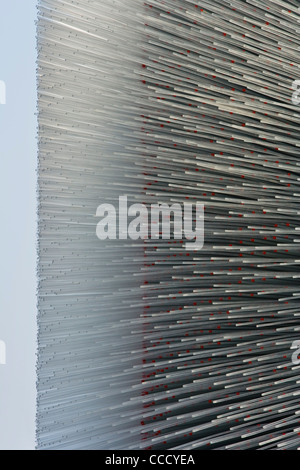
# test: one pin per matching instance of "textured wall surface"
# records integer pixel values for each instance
(144, 345)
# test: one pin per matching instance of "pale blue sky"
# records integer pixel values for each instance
(18, 157)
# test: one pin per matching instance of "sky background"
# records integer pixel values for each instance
(18, 161)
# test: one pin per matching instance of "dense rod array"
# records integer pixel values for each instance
(143, 345)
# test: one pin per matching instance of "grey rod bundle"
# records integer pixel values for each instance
(144, 344)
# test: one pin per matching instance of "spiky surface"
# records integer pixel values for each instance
(143, 345)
